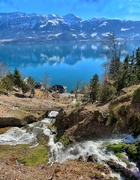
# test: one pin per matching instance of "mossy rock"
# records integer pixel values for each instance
(122, 157)
(26, 153)
(132, 150)
(34, 156)
(66, 140)
(116, 148)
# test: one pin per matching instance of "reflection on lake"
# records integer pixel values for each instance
(64, 63)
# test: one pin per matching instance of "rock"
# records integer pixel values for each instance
(12, 121)
(92, 158)
(83, 124)
(127, 174)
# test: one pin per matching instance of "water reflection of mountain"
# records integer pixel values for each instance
(52, 54)
(23, 55)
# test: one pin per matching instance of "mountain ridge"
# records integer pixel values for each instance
(23, 27)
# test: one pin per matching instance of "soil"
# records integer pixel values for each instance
(70, 170)
(16, 105)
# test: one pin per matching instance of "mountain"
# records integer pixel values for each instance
(22, 27)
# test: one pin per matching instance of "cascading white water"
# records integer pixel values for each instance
(58, 153)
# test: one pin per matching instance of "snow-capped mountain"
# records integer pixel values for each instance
(24, 27)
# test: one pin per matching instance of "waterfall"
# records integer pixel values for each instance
(95, 151)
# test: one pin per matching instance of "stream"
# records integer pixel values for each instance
(87, 150)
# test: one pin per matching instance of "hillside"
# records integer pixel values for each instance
(100, 120)
(74, 123)
(17, 110)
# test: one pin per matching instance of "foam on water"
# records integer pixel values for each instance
(15, 136)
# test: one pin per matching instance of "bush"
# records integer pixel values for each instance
(107, 92)
(136, 96)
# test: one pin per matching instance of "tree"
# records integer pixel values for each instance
(138, 56)
(113, 52)
(25, 88)
(76, 89)
(31, 84)
(94, 88)
(45, 83)
(18, 81)
(3, 70)
(7, 83)
(136, 96)
(107, 92)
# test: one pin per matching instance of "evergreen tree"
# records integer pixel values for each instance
(123, 77)
(114, 68)
(18, 81)
(94, 88)
(25, 88)
(138, 56)
(7, 83)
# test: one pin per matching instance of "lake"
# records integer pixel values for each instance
(63, 63)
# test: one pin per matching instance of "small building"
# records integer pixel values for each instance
(38, 85)
(58, 88)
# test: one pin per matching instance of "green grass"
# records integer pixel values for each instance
(26, 155)
(34, 156)
(117, 148)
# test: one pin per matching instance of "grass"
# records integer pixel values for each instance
(117, 148)
(34, 156)
(26, 155)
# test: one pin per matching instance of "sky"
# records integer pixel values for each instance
(86, 9)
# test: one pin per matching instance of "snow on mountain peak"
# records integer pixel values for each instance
(71, 19)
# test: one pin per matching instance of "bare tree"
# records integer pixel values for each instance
(114, 48)
(45, 83)
(3, 70)
(76, 89)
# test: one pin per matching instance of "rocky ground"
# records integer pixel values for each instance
(11, 168)
(70, 170)
(73, 123)
(17, 110)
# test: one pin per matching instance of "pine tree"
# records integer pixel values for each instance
(25, 88)
(138, 56)
(7, 83)
(94, 88)
(114, 68)
(18, 81)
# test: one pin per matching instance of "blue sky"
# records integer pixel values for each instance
(86, 9)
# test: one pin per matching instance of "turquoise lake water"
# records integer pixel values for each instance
(64, 63)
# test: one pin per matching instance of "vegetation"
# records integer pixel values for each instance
(45, 83)
(18, 81)
(25, 154)
(136, 96)
(94, 88)
(118, 74)
(9, 80)
(107, 92)
(132, 150)
(66, 140)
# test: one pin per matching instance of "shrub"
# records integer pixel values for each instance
(107, 93)
(136, 96)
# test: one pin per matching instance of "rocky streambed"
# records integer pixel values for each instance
(96, 158)
(100, 140)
